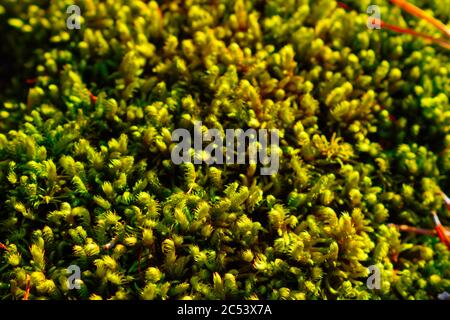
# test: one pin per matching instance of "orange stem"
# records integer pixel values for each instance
(442, 234)
(441, 42)
(92, 96)
(27, 290)
(406, 228)
(440, 231)
(416, 11)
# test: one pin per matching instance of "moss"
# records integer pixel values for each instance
(86, 176)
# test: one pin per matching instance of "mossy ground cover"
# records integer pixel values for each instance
(86, 176)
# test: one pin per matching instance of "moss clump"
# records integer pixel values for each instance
(86, 176)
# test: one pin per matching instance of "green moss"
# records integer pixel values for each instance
(86, 176)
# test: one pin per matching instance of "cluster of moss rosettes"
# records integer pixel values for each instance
(86, 176)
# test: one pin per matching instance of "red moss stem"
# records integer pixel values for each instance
(416, 11)
(27, 290)
(443, 43)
